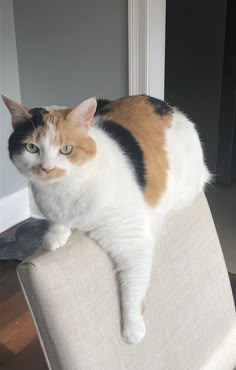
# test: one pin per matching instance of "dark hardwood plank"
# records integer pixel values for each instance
(19, 344)
(8, 280)
(13, 309)
(19, 341)
(30, 358)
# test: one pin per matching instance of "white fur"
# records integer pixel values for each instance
(102, 197)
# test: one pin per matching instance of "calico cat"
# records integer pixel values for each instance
(113, 169)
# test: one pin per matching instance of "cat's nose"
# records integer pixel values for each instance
(47, 169)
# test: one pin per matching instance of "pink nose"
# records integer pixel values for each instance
(47, 170)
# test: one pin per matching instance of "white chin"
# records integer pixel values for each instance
(46, 180)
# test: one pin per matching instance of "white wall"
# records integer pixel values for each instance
(13, 190)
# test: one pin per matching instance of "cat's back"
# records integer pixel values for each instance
(145, 119)
(168, 142)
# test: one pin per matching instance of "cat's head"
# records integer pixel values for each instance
(47, 143)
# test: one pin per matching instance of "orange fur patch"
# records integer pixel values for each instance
(67, 133)
(137, 114)
(84, 147)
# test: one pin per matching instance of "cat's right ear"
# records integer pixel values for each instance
(83, 114)
(19, 113)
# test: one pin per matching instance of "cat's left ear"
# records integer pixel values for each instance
(83, 114)
(19, 113)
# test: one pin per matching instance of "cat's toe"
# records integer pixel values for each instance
(52, 242)
(134, 330)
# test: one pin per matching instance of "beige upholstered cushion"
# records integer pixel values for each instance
(190, 314)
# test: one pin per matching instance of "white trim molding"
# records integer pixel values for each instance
(14, 208)
(147, 20)
(17, 207)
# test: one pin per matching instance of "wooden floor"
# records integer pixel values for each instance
(19, 345)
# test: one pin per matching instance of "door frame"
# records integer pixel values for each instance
(146, 40)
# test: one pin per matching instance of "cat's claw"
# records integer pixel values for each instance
(134, 330)
(53, 241)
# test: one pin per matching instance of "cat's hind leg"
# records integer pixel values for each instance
(128, 240)
(133, 271)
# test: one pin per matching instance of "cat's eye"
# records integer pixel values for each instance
(67, 149)
(32, 148)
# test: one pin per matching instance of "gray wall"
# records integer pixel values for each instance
(71, 50)
(10, 180)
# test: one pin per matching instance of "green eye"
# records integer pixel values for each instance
(67, 149)
(32, 148)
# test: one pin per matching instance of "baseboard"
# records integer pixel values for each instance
(14, 208)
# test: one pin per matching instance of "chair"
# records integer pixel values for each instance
(190, 315)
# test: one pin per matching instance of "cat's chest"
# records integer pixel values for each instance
(66, 206)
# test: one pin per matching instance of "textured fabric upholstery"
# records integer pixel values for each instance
(190, 314)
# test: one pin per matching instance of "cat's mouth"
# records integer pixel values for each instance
(53, 174)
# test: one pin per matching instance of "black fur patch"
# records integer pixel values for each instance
(102, 107)
(161, 107)
(129, 146)
(15, 143)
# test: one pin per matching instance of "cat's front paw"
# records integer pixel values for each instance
(53, 241)
(133, 329)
